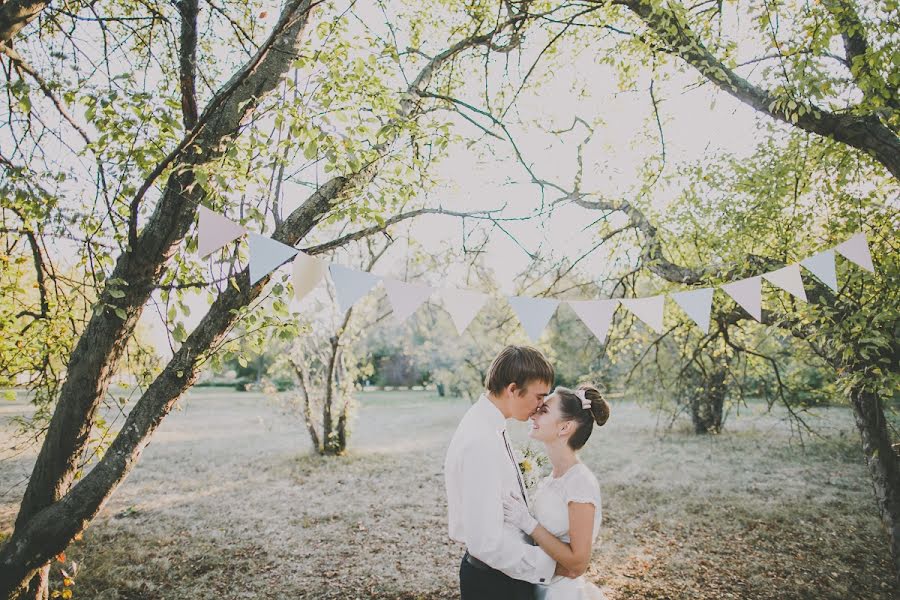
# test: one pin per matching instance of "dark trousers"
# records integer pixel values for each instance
(484, 583)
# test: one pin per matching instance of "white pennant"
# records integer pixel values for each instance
(788, 278)
(697, 304)
(462, 305)
(649, 310)
(215, 231)
(308, 272)
(533, 313)
(266, 255)
(856, 249)
(747, 293)
(596, 314)
(351, 285)
(405, 297)
(822, 266)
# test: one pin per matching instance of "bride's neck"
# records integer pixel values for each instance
(561, 456)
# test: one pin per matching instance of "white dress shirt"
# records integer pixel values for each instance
(478, 472)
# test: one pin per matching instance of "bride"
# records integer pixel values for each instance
(567, 508)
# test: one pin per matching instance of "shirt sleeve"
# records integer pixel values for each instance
(584, 489)
(488, 538)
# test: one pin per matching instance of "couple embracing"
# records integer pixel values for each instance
(520, 547)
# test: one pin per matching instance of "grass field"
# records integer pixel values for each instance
(227, 502)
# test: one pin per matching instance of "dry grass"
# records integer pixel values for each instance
(227, 503)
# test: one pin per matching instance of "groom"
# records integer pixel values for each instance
(480, 469)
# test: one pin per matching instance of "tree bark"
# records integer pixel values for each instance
(16, 14)
(707, 407)
(307, 408)
(883, 463)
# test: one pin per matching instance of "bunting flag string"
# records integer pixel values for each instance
(351, 285)
(266, 255)
(822, 266)
(856, 249)
(533, 313)
(788, 279)
(649, 310)
(216, 231)
(463, 305)
(405, 297)
(697, 304)
(308, 272)
(597, 315)
(748, 294)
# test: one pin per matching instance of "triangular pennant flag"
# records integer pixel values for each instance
(215, 231)
(308, 272)
(406, 297)
(697, 304)
(822, 266)
(596, 314)
(462, 305)
(533, 313)
(856, 249)
(747, 293)
(649, 310)
(266, 255)
(351, 285)
(788, 278)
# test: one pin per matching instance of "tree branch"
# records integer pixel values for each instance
(16, 14)
(866, 133)
(187, 60)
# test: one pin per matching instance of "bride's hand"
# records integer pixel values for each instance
(516, 513)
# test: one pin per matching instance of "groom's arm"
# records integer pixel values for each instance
(487, 538)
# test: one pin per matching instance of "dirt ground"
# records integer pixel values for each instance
(227, 502)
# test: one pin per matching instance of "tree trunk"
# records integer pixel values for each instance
(883, 463)
(327, 419)
(343, 420)
(37, 588)
(707, 406)
(307, 408)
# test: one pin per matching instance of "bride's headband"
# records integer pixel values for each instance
(585, 403)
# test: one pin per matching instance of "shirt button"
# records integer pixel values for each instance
(542, 580)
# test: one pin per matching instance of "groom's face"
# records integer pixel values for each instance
(527, 400)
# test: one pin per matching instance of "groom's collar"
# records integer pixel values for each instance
(492, 413)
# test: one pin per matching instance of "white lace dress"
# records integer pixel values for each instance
(551, 509)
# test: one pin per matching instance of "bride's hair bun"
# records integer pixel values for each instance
(599, 405)
(571, 408)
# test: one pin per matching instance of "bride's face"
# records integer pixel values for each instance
(547, 421)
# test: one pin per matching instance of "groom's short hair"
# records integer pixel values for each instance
(519, 365)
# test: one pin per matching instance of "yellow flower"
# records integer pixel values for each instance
(526, 466)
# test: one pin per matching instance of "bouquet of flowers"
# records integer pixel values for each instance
(533, 465)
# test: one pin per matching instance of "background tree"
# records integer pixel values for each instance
(326, 366)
